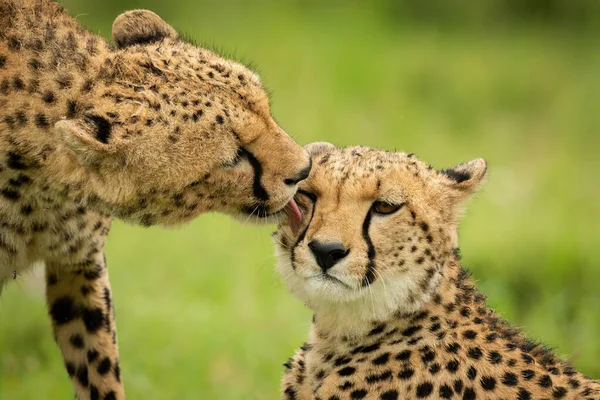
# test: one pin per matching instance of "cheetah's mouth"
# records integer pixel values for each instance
(291, 209)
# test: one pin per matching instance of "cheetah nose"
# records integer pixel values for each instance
(302, 175)
(327, 254)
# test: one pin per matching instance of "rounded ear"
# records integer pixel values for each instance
(465, 179)
(317, 148)
(88, 137)
(140, 27)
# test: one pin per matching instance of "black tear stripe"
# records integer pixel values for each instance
(303, 234)
(370, 274)
(259, 191)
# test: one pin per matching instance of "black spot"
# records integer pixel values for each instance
(10, 194)
(510, 379)
(51, 279)
(527, 358)
(475, 353)
(104, 366)
(63, 310)
(2, 60)
(290, 393)
(71, 108)
(406, 373)
(559, 392)
(382, 359)
(18, 83)
(494, 357)
(26, 209)
(377, 330)
(341, 361)
(48, 97)
(82, 375)
(452, 366)
(117, 371)
(411, 330)
(219, 119)
(446, 392)
(403, 355)
(453, 348)
(458, 386)
(15, 161)
(424, 390)
(76, 341)
(34, 64)
(41, 120)
(103, 127)
(545, 381)
(358, 394)
(389, 395)
(469, 394)
(384, 376)
(574, 383)
(472, 373)
(470, 334)
(488, 382)
(92, 355)
(346, 371)
(110, 396)
(92, 318)
(85, 290)
(366, 349)
(523, 395)
(434, 368)
(94, 393)
(528, 374)
(70, 368)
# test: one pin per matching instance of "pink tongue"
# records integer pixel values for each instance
(294, 216)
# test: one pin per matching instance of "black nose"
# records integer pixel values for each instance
(302, 175)
(327, 254)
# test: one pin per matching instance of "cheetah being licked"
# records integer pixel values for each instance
(153, 131)
(395, 315)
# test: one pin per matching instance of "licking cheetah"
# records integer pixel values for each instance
(153, 130)
(395, 315)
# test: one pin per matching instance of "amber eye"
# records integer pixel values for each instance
(381, 207)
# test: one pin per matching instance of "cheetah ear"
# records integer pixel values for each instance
(140, 27)
(318, 148)
(464, 179)
(88, 137)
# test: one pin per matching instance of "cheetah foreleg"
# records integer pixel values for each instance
(80, 306)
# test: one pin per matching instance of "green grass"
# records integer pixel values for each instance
(201, 313)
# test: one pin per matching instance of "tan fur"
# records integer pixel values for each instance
(155, 131)
(401, 320)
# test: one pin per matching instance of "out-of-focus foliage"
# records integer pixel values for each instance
(200, 312)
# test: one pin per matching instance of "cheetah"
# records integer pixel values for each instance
(395, 315)
(153, 130)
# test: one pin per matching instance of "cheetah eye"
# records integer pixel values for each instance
(383, 208)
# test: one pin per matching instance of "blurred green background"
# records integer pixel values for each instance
(201, 313)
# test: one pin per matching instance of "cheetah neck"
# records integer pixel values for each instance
(343, 322)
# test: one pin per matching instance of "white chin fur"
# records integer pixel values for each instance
(378, 301)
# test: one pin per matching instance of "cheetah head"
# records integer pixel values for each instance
(167, 130)
(378, 228)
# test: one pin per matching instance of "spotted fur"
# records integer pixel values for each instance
(395, 314)
(153, 131)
